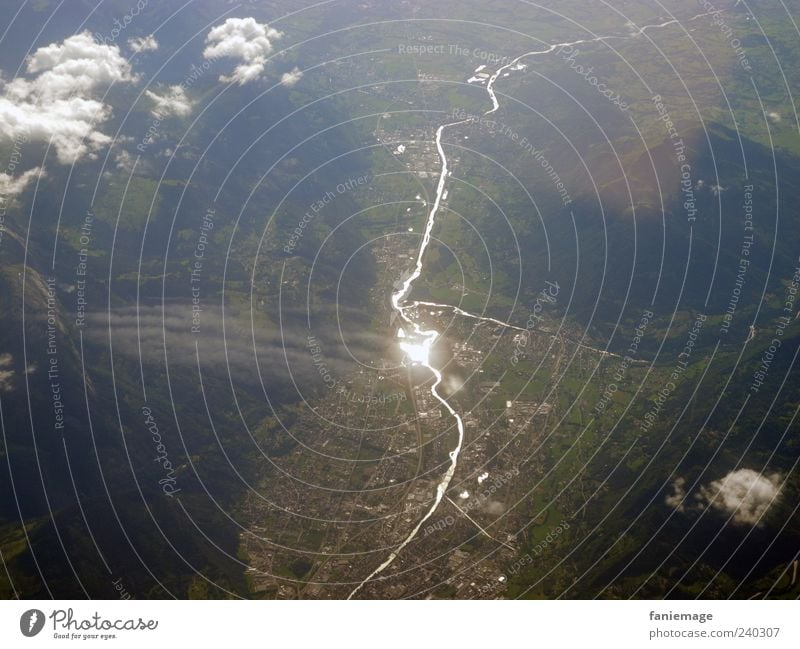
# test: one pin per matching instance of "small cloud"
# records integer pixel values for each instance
(244, 39)
(774, 117)
(173, 102)
(11, 186)
(718, 189)
(745, 494)
(125, 161)
(677, 498)
(6, 373)
(143, 44)
(288, 79)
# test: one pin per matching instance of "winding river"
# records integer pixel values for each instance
(417, 344)
(415, 341)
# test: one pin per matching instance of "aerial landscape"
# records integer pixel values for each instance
(351, 300)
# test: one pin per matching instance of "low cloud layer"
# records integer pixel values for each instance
(147, 328)
(57, 102)
(244, 39)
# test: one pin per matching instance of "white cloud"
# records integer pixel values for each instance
(6, 373)
(746, 494)
(11, 186)
(78, 65)
(244, 39)
(173, 102)
(125, 161)
(774, 117)
(57, 103)
(143, 44)
(677, 497)
(288, 79)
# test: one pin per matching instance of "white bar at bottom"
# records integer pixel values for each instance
(404, 624)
